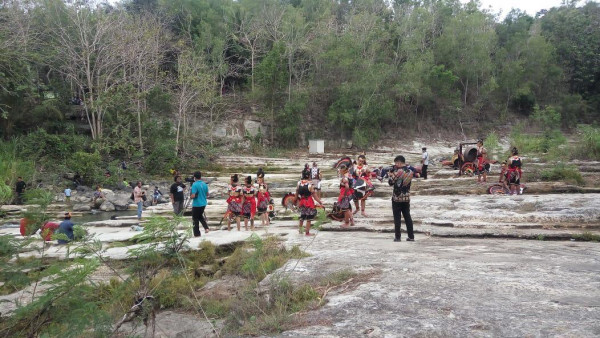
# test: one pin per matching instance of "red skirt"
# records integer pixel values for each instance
(249, 207)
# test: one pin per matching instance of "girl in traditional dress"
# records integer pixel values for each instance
(234, 202)
(362, 192)
(515, 173)
(249, 205)
(263, 198)
(306, 201)
(345, 197)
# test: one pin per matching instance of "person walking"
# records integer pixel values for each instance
(68, 195)
(66, 228)
(138, 198)
(176, 194)
(20, 189)
(198, 195)
(401, 179)
(425, 163)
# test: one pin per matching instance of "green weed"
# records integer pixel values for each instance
(562, 172)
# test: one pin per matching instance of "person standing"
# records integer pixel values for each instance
(66, 228)
(68, 195)
(20, 189)
(138, 198)
(316, 177)
(249, 205)
(198, 195)
(306, 202)
(176, 194)
(401, 178)
(481, 161)
(306, 170)
(425, 163)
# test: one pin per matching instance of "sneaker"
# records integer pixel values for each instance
(396, 239)
(410, 239)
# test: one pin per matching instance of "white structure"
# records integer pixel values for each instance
(316, 146)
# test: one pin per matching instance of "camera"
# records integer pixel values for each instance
(190, 179)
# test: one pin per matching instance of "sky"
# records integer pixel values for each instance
(529, 6)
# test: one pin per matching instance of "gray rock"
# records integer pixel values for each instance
(121, 202)
(179, 325)
(107, 206)
(81, 199)
(253, 128)
(82, 207)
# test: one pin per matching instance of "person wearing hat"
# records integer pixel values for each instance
(66, 228)
(425, 163)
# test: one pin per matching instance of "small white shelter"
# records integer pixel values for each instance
(316, 146)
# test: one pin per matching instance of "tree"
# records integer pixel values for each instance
(88, 56)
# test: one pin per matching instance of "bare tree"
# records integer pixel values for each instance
(142, 49)
(250, 34)
(194, 88)
(90, 39)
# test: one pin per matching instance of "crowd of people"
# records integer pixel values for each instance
(248, 198)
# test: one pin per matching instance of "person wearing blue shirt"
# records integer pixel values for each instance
(198, 195)
(66, 228)
(68, 195)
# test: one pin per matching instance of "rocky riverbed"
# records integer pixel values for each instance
(481, 265)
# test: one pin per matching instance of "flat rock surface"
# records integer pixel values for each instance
(454, 287)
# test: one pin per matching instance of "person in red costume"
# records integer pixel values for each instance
(263, 197)
(305, 198)
(249, 205)
(234, 202)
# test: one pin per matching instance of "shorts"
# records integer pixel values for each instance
(247, 215)
(316, 184)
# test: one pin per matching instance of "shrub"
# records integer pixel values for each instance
(538, 144)
(88, 165)
(562, 172)
(492, 144)
(162, 158)
(588, 143)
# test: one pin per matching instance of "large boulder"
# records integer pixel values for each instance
(82, 207)
(107, 206)
(121, 202)
(80, 198)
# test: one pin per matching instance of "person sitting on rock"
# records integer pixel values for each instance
(156, 196)
(98, 194)
(66, 228)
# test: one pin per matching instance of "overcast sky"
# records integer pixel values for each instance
(529, 6)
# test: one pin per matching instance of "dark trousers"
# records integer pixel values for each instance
(424, 171)
(402, 209)
(197, 218)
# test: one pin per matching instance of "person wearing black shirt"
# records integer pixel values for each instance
(20, 189)
(176, 193)
(401, 178)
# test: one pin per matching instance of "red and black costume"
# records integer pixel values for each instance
(249, 206)
(514, 173)
(263, 198)
(345, 196)
(234, 202)
(364, 189)
(481, 152)
(306, 203)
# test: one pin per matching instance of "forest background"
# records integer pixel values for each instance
(85, 85)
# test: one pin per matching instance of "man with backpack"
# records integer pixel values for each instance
(315, 176)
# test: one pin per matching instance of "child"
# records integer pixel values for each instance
(156, 195)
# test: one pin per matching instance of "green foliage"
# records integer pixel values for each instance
(88, 165)
(550, 141)
(162, 158)
(548, 118)
(588, 143)
(587, 236)
(492, 144)
(562, 172)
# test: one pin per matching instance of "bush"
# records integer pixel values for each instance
(492, 144)
(588, 144)
(162, 159)
(562, 172)
(538, 144)
(88, 165)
